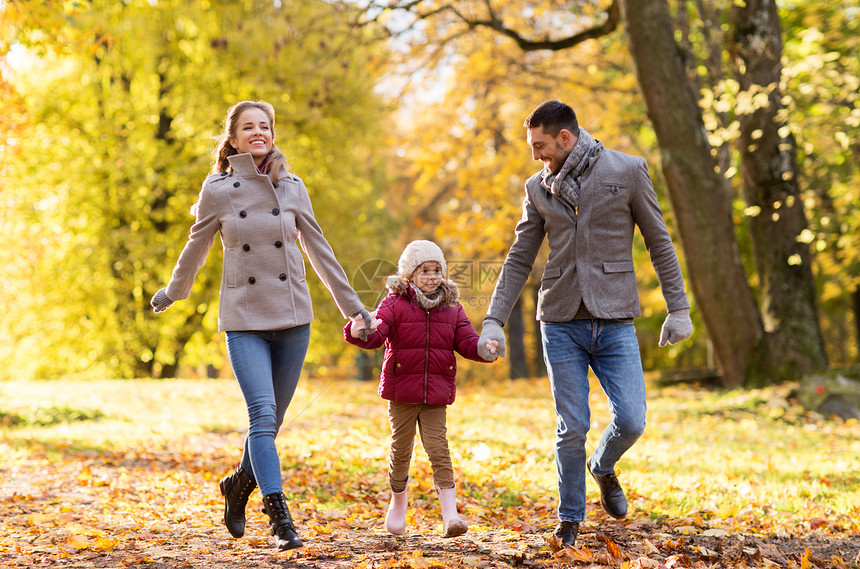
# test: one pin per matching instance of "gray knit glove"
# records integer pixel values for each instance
(491, 330)
(160, 302)
(677, 327)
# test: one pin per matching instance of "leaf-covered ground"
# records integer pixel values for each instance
(124, 474)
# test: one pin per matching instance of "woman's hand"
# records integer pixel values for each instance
(160, 302)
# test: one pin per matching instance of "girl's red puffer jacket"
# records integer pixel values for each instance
(419, 364)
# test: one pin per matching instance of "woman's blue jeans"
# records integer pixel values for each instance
(610, 348)
(267, 366)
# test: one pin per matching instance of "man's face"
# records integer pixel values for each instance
(551, 150)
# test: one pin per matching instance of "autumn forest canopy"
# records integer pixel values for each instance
(404, 119)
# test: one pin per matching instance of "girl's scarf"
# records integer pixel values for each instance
(426, 301)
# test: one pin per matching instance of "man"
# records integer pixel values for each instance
(587, 201)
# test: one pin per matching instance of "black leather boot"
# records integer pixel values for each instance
(236, 489)
(275, 506)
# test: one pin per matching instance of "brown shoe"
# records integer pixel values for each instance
(611, 495)
(566, 533)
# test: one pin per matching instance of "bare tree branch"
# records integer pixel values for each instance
(613, 16)
(493, 22)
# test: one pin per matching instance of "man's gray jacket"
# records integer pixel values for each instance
(591, 253)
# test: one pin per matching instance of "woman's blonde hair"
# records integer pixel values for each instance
(273, 161)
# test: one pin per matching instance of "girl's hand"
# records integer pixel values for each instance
(492, 346)
(359, 326)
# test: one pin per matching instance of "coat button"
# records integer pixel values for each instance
(278, 244)
(236, 184)
(398, 365)
(276, 211)
(252, 280)
(283, 277)
(243, 214)
(277, 184)
(246, 247)
(223, 173)
(450, 367)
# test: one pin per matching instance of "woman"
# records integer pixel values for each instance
(265, 306)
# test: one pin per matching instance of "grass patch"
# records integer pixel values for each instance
(47, 416)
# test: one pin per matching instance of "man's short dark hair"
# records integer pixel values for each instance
(553, 116)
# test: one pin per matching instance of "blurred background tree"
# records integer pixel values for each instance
(719, 108)
(119, 101)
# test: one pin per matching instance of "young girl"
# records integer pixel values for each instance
(421, 324)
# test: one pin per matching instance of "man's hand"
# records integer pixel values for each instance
(160, 302)
(677, 327)
(491, 348)
(491, 331)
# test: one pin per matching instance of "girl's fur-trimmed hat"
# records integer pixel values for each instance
(419, 252)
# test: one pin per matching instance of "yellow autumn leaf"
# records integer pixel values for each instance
(105, 543)
(321, 529)
(77, 541)
(84, 476)
(79, 529)
(614, 551)
(716, 532)
(582, 554)
(37, 519)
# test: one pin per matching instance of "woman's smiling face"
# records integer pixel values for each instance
(253, 134)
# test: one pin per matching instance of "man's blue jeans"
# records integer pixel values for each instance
(611, 349)
(267, 365)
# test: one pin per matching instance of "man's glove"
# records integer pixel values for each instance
(677, 327)
(491, 330)
(160, 302)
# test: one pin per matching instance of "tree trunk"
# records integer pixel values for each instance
(855, 301)
(701, 197)
(516, 343)
(793, 344)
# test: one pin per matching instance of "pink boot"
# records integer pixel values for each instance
(451, 522)
(395, 519)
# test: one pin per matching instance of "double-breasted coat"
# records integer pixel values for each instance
(263, 283)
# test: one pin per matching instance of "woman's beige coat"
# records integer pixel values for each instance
(263, 279)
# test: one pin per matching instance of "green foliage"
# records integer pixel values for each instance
(821, 76)
(822, 115)
(47, 417)
(100, 189)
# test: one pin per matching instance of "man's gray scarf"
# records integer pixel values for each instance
(565, 184)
